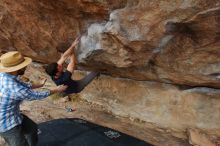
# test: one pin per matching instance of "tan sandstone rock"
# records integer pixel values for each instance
(168, 111)
(123, 38)
(168, 49)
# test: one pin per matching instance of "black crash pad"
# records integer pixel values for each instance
(78, 132)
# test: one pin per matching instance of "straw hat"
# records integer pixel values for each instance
(13, 61)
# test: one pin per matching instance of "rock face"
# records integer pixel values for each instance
(172, 116)
(169, 110)
(163, 41)
(40, 28)
(172, 42)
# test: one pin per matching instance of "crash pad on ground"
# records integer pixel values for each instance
(78, 132)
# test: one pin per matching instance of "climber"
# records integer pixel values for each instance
(55, 70)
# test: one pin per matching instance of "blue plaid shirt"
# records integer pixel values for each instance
(12, 93)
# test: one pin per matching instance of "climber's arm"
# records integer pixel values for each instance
(68, 52)
(72, 65)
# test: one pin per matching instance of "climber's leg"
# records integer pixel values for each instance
(76, 86)
(81, 84)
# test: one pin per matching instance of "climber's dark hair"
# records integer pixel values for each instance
(51, 69)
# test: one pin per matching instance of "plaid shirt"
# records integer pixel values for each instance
(12, 93)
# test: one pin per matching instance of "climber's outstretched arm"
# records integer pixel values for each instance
(72, 65)
(68, 52)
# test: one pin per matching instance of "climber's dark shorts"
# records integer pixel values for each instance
(74, 86)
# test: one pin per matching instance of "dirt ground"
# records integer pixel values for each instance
(45, 110)
(48, 109)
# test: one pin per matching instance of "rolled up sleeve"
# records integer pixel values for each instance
(29, 94)
(28, 84)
